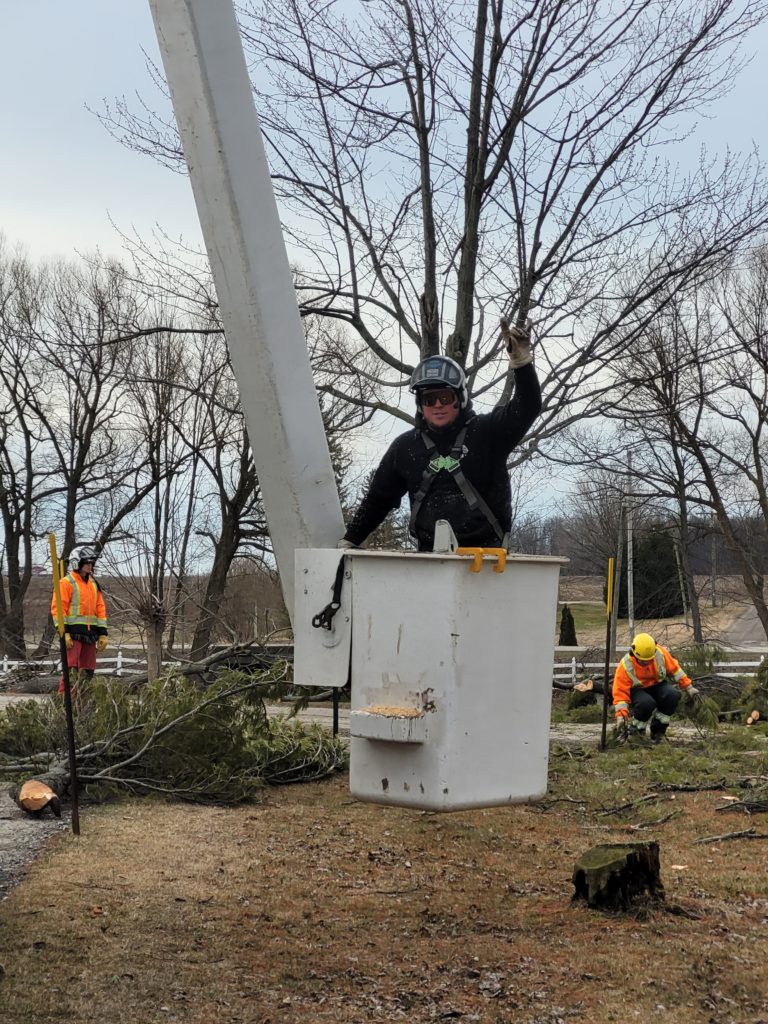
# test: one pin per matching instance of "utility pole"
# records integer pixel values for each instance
(630, 562)
(677, 545)
(713, 564)
(615, 597)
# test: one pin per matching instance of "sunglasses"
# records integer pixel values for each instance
(438, 398)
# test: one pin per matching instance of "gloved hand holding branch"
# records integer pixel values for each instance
(518, 343)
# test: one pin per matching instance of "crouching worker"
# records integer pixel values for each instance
(647, 688)
(85, 616)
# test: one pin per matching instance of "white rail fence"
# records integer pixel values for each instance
(117, 666)
(562, 671)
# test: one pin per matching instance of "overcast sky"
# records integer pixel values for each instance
(62, 176)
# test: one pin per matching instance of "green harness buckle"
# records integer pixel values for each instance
(444, 462)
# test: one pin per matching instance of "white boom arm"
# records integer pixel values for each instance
(221, 137)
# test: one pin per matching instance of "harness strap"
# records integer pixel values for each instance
(451, 463)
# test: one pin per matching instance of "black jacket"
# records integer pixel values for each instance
(489, 439)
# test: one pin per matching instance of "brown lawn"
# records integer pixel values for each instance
(312, 907)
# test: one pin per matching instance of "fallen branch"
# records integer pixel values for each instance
(678, 911)
(641, 826)
(749, 833)
(558, 684)
(173, 737)
(630, 805)
(749, 806)
(683, 787)
(248, 656)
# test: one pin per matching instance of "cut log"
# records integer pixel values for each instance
(34, 796)
(614, 876)
(582, 694)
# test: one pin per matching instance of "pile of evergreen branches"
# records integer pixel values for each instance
(169, 736)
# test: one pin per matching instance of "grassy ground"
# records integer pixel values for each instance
(311, 907)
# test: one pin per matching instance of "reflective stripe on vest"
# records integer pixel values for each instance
(661, 668)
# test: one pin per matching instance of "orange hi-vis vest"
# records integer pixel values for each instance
(85, 614)
(630, 673)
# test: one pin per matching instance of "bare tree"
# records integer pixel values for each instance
(441, 163)
(241, 527)
(699, 391)
(24, 468)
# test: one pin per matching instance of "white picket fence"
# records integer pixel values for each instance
(579, 669)
(121, 664)
(118, 665)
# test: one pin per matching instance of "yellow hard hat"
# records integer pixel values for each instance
(643, 646)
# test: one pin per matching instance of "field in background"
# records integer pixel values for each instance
(590, 624)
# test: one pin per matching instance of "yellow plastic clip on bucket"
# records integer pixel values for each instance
(501, 558)
(477, 557)
(476, 554)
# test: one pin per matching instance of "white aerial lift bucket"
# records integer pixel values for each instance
(450, 669)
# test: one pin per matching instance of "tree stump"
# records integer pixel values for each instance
(582, 695)
(615, 875)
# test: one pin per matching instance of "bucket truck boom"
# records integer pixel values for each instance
(220, 134)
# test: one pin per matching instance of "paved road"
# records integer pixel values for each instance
(746, 631)
(11, 698)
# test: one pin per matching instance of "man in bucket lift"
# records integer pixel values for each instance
(453, 465)
(85, 615)
(648, 683)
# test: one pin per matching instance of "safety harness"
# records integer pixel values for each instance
(452, 464)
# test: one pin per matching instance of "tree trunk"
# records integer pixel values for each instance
(12, 633)
(614, 876)
(155, 631)
(214, 591)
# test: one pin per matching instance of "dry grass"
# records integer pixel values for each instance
(671, 632)
(312, 907)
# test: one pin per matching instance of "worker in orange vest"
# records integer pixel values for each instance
(647, 686)
(85, 615)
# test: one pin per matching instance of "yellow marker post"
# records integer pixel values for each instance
(57, 573)
(607, 682)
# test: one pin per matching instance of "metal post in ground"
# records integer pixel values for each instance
(606, 681)
(67, 688)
